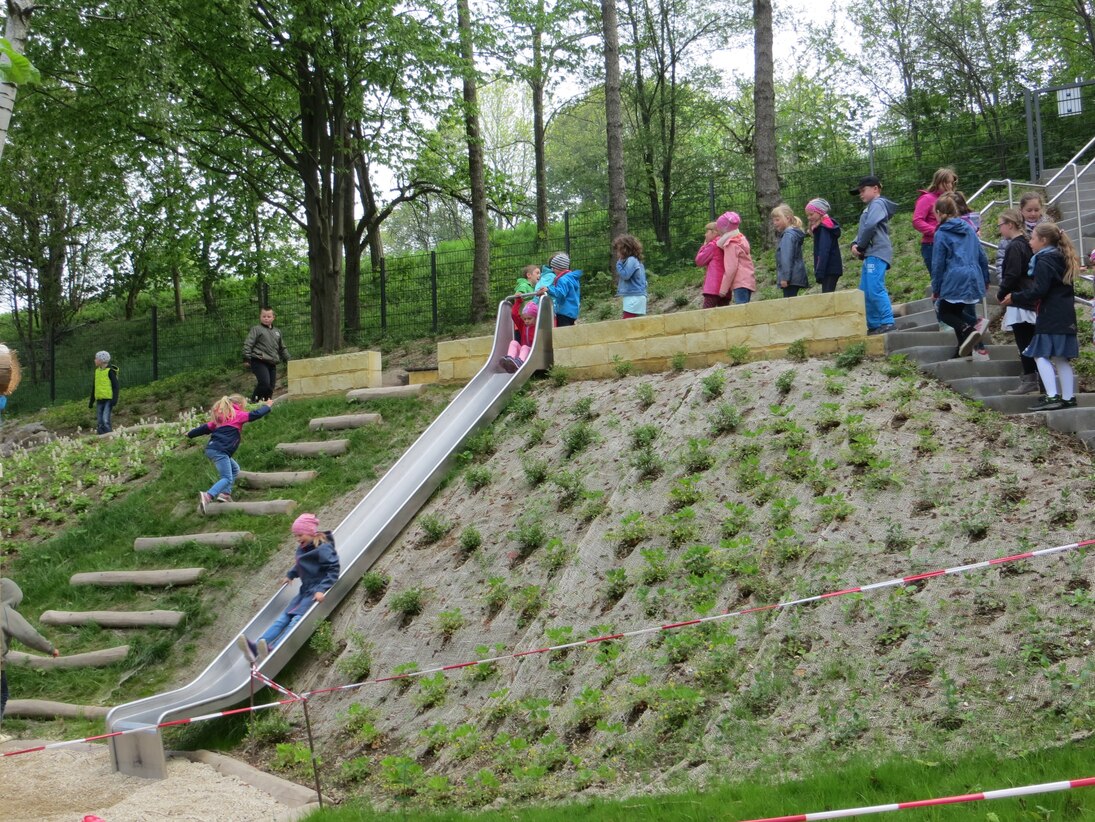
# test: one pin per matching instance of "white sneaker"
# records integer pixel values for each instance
(245, 645)
(262, 649)
(981, 355)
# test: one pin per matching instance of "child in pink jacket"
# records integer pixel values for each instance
(710, 257)
(739, 279)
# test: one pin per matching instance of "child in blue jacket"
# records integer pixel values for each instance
(631, 274)
(317, 568)
(564, 287)
(960, 273)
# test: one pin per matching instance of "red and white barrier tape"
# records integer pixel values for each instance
(959, 569)
(1003, 793)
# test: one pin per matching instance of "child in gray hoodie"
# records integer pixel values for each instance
(872, 245)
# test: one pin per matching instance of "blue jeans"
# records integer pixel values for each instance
(282, 624)
(102, 416)
(742, 296)
(926, 250)
(227, 467)
(872, 282)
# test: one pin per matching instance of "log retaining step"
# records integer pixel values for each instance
(344, 421)
(274, 479)
(332, 448)
(48, 709)
(362, 394)
(263, 508)
(169, 576)
(91, 659)
(218, 539)
(114, 619)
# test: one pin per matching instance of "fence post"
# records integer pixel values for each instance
(265, 294)
(155, 344)
(711, 197)
(1030, 134)
(433, 288)
(383, 295)
(52, 369)
(870, 150)
(566, 231)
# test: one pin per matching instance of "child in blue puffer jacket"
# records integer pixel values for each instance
(564, 287)
(960, 274)
(225, 432)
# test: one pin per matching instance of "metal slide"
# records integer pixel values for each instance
(360, 539)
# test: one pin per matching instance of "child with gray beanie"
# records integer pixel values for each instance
(104, 391)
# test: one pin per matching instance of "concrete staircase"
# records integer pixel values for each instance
(918, 337)
(1079, 222)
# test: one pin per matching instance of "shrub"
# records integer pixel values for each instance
(577, 438)
(268, 727)
(622, 367)
(678, 361)
(656, 568)
(698, 458)
(583, 409)
(697, 560)
(851, 356)
(359, 661)
(555, 556)
(408, 603)
(434, 528)
(323, 639)
(449, 622)
(559, 375)
(536, 430)
(680, 300)
(615, 584)
(684, 493)
(374, 584)
(834, 508)
(680, 527)
(522, 408)
(726, 419)
(633, 530)
(527, 602)
(529, 535)
(293, 758)
(647, 463)
(361, 724)
(536, 470)
(644, 393)
(571, 488)
(737, 517)
(498, 593)
(796, 351)
(644, 435)
(481, 444)
(477, 477)
(714, 384)
(431, 691)
(784, 382)
(738, 354)
(470, 539)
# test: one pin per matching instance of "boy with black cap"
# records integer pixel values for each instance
(872, 245)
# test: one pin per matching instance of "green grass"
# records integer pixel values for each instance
(856, 784)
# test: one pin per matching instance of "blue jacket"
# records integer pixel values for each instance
(226, 437)
(873, 238)
(789, 264)
(566, 292)
(632, 282)
(960, 269)
(827, 259)
(317, 568)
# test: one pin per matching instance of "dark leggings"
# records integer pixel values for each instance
(562, 321)
(266, 374)
(715, 301)
(1024, 333)
(791, 290)
(955, 315)
(828, 283)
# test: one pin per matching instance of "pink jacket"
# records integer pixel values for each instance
(737, 263)
(924, 215)
(710, 255)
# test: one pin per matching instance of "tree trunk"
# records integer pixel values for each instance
(176, 287)
(765, 170)
(15, 32)
(351, 251)
(617, 184)
(480, 278)
(538, 128)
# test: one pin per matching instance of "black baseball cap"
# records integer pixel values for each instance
(864, 182)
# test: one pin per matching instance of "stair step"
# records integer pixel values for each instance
(966, 367)
(927, 354)
(343, 422)
(985, 386)
(362, 394)
(275, 479)
(913, 307)
(263, 508)
(218, 539)
(1071, 420)
(330, 448)
(1021, 404)
(90, 659)
(113, 619)
(896, 340)
(166, 577)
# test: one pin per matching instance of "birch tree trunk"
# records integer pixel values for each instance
(617, 185)
(15, 32)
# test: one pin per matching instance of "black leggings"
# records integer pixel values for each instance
(1024, 333)
(791, 290)
(954, 315)
(828, 283)
(267, 374)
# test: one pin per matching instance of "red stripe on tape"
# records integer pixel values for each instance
(1089, 782)
(25, 750)
(603, 638)
(673, 625)
(841, 593)
(458, 665)
(928, 575)
(943, 800)
(997, 561)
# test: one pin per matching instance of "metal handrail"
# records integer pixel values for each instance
(1010, 183)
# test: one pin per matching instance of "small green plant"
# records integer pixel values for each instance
(577, 438)
(408, 603)
(583, 409)
(784, 383)
(726, 419)
(656, 568)
(527, 602)
(359, 661)
(680, 527)
(834, 508)
(899, 365)
(677, 704)
(896, 538)
(522, 408)
(796, 351)
(698, 560)
(647, 463)
(401, 775)
(449, 622)
(323, 639)
(633, 530)
(483, 671)
(737, 518)
(355, 770)
(268, 727)
(713, 384)
(605, 312)
(622, 367)
(644, 435)
(477, 477)
(781, 512)
(431, 691)
(374, 584)
(555, 556)
(616, 584)
(678, 361)
(738, 354)
(680, 300)
(434, 528)
(470, 540)
(644, 393)
(294, 758)
(481, 444)
(571, 488)
(536, 431)
(851, 356)
(529, 535)
(536, 470)
(559, 375)
(698, 458)
(402, 675)
(498, 594)
(684, 493)
(360, 723)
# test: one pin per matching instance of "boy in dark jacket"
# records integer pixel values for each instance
(262, 350)
(104, 391)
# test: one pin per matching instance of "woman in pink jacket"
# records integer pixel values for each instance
(739, 279)
(709, 257)
(923, 219)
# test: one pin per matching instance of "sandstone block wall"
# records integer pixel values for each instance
(335, 374)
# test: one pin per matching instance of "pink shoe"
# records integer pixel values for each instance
(203, 501)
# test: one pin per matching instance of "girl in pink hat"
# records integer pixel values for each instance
(316, 567)
(739, 279)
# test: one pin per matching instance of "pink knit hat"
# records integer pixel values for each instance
(531, 309)
(306, 525)
(728, 221)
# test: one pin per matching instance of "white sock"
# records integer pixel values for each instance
(1068, 377)
(1048, 375)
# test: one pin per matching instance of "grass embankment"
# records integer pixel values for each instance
(857, 784)
(96, 495)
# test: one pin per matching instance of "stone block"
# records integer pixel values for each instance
(448, 350)
(312, 386)
(784, 333)
(848, 300)
(445, 371)
(762, 312)
(727, 316)
(299, 369)
(806, 306)
(480, 347)
(581, 356)
(665, 347)
(423, 377)
(641, 328)
(337, 383)
(627, 350)
(705, 342)
(840, 325)
(464, 370)
(683, 322)
(568, 336)
(752, 336)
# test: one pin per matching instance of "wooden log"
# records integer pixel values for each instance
(274, 479)
(91, 659)
(331, 448)
(114, 619)
(167, 576)
(344, 421)
(362, 394)
(47, 709)
(262, 508)
(218, 539)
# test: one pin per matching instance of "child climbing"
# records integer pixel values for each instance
(1013, 277)
(1051, 295)
(225, 430)
(790, 269)
(519, 349)
(564, 286)
(631, 273)
(104, 391)
(960, 273)
(828, 265)
(739, 279)
(872, 245)
(709, 258)
(317, 568)
(526, 284)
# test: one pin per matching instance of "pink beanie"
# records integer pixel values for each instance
(306, 525)
(531, 309)
(728, 221)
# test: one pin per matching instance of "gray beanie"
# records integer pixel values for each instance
(819, 205)
(560, 262)
(103, 356)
